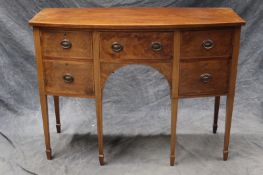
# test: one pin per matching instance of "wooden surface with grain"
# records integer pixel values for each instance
(127, 18)
(81, 44)
(196, 50)
(81, 72)
(192, 43)
(191, 83)
(136, 45)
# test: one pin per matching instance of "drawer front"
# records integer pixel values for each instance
(210, 43)
(66, 44)
(136, 45)
(203, 78)
(69, 78)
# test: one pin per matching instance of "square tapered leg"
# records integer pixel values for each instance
(173, 131)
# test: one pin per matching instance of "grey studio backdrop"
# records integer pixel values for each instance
(136, 105)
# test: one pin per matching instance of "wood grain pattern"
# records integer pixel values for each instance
(90, 60)
(191, 85)
(130, 18)
(192, 43)
(82, 72)
(81, 44)
(136, 45)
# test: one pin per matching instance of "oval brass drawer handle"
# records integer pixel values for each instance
(208, 44)
(205, 78)
(68, 78)
(116, 47)
(156, 46)
(65, 44)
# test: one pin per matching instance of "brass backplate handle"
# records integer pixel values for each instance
(68, 78)
(65, 44)
(116, 47)
(208, 44)
(156, 46)
(205, 78)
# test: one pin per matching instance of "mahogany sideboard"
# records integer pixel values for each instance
(196, 49)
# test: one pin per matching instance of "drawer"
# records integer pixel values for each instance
(136, 45)
(66, 44)
(69, 78)
(209, 43)
(204, 77)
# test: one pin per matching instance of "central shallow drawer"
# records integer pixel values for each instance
(136, 45)
(69, 78)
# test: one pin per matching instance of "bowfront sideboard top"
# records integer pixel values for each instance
(196, 50)
(129, 18)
